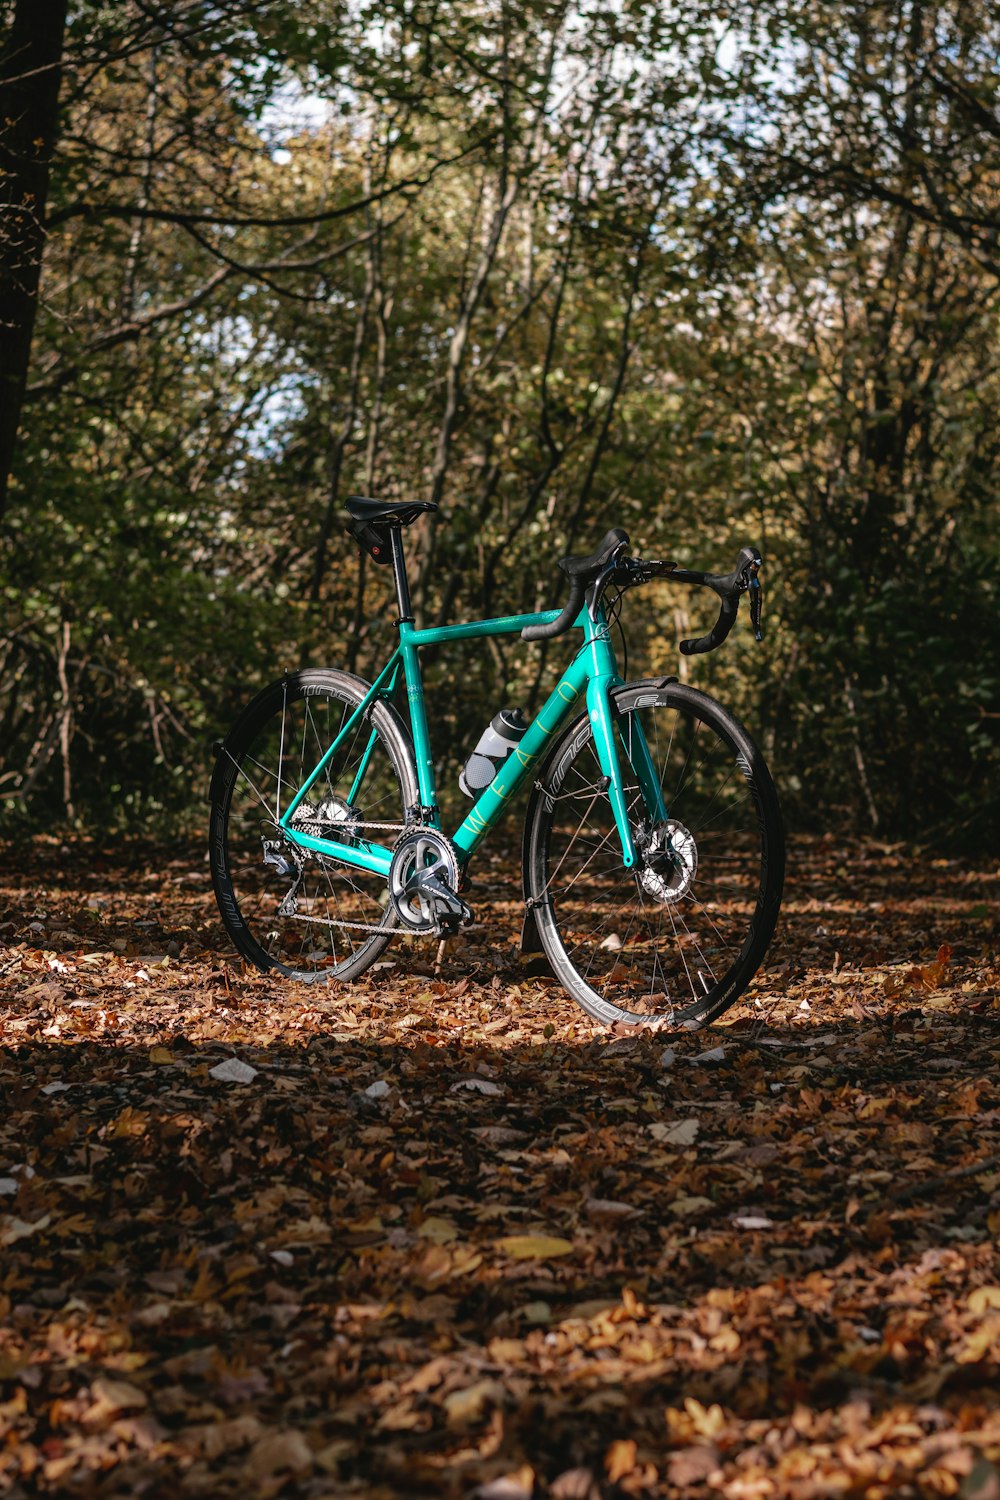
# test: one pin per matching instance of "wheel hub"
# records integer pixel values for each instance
(332, 819)
(669, 862)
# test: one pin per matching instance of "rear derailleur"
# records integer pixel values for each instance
(288, 864)
(333, 819)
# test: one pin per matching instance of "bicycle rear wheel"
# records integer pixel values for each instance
(301, 913)
(676, 940)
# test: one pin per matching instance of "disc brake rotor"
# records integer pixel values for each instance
(670, 862)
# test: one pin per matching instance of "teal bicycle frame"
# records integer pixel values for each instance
(591, 677)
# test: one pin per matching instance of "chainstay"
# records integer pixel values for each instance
(333, 922)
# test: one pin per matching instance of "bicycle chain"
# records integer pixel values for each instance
(358, 926)
(334, 922)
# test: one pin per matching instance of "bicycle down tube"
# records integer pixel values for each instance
(590, 677)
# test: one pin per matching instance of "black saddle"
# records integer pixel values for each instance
(361, 508)
(586, 569)
(373, 521)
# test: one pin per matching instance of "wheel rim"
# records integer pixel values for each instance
(666, 940)
(305, 913)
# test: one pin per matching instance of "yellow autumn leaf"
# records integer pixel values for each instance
(534, 1246)
(440, 1231)
(984, 1341)
(620, 1459)
(505, 1351)
(982, 1298)
(434, 1264)
(464, 1259)
(726, 1341)
(690, 1205)
(161, 1055)
(402, 1417)
(707, 1421)
(467, 1406)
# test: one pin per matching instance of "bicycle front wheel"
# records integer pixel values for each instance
(677, 939)
(306, 915)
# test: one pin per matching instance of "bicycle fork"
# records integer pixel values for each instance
(609, 731)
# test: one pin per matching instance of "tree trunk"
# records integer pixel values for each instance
(30, 69)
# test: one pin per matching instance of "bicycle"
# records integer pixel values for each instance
(653, 854)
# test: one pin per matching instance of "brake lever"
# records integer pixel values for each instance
(756, 602)
(750, 581)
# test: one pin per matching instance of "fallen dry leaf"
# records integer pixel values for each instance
(680, 1133)
(233, 1071)
(279, 1452)
(620, 1459)
(763, 1275)
(534, 1246)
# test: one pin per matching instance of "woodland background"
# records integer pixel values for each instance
(713, 272)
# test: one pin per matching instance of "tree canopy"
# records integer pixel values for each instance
(710, 272)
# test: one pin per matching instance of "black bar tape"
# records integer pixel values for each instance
(564, 621)
(718, 632)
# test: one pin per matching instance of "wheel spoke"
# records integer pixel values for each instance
(304, 910)
(626, 943)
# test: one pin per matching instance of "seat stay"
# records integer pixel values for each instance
(377, 690)
(362, 768)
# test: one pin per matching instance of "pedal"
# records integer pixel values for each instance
(449, 925)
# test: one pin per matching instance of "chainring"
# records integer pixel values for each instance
(423, 849)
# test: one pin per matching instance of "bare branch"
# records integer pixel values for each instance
(129, 211)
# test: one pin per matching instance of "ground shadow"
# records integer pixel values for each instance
(448, 1231)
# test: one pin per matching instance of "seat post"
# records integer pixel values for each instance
(399, 573)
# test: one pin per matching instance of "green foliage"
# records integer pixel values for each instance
(557, 269)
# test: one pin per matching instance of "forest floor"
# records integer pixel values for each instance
(452, 1239)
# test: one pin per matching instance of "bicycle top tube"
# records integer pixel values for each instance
(440, 635)
(591, 673)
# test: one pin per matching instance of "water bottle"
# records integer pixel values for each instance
(495, 744)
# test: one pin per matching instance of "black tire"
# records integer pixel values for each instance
(336, 919)
(713, 871)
